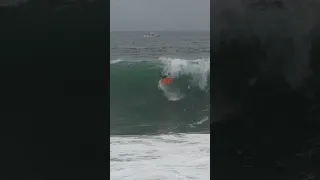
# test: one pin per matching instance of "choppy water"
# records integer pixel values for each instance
(166, 129)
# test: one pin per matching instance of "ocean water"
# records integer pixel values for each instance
(160, 132)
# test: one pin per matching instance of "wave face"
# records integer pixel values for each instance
(138, 104)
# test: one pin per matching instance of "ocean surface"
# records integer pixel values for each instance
(160, 132)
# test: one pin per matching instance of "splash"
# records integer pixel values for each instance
(172, 94)
(198, 70)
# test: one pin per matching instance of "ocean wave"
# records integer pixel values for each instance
(198, 70)
(137, 95)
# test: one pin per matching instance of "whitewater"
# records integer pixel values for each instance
(179, 156)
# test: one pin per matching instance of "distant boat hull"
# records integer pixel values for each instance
(151, 35)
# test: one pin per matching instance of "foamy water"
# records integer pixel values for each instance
(198, 69)
(163, 157)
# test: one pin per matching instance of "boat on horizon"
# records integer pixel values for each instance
(151, 34)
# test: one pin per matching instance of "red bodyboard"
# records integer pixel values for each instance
(166, 81)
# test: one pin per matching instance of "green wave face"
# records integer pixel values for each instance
(139, 106)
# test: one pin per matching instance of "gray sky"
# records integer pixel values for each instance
(159, 15)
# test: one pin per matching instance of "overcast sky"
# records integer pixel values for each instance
(160, 15)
